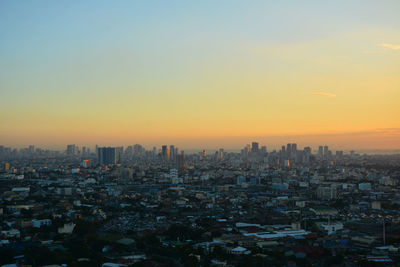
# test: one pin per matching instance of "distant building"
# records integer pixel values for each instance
(254, 147)
(264, 149)
(294, 150)
(107, 155)
(85, 163)
(240, 180)
(119, 152)
(204, 154)
(289, 148)
(71, 150)
(180, 162)
(172, 152)
(165, 152)
(320, 151)
(376, 205)
(326, 152)
(6, 166)
(221, 154)
(286, 163)
(326, 193)
(40, 223)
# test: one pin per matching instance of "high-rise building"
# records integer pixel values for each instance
(264, 149)
(107, 155)
(176, 153)
(221, 154)
(172, 152)
(31, 149)
(246, 150)
(84, 152)
(164, 149)
(71, 149)
(204, 154)
(326, 151)
(120, 151)
(165, 153)
(254, 147)
(306, 154)
(180, 162)
(339, 153)
(289, 150)
(320, 152)
(294, 149)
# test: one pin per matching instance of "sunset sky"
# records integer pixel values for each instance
(200, 73)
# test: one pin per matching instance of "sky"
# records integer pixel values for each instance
(212, 73)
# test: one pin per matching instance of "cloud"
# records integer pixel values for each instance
(323, 94)
(390, 46)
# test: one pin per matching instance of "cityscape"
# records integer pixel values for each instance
(213, 133)
(122, 206)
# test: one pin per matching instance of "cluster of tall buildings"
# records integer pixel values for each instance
(30, 151)
(172, 154)
(254, 149)
(324, 152)
(74, 150)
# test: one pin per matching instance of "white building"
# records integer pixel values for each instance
(331, 228)
(40, 223)
(68, 228)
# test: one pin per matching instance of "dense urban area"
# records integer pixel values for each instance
(131, 206)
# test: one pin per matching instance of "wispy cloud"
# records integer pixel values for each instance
(390, 46)
(323, 94)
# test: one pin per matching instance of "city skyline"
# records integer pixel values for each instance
(385, 137)
(173, 149)
(199, 133)
(210, 74)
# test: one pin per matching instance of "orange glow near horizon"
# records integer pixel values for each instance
(220, 82)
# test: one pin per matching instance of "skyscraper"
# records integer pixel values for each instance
(71, 149)
(165, 152)
(320, 152)
(176, 153)
(294, 148)
(254, 147)
(180, 162)
(119, 152)
(221, 154)
(326, 152)
(172, 152)
(107, 155)
(289, 150)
